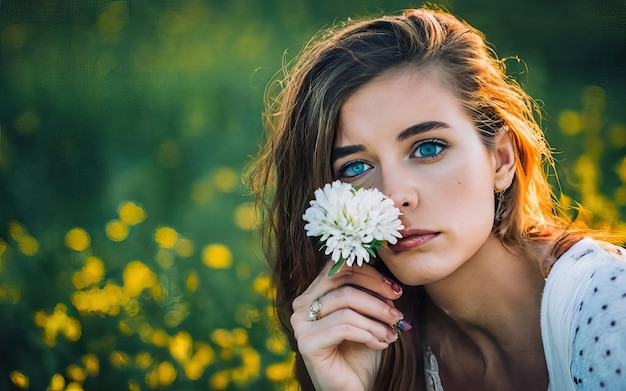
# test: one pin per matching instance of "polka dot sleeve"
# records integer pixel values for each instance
(598, 359)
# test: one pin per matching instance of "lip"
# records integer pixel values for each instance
(412, 239)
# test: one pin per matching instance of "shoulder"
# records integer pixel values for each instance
(584, 316)
(587, 257)
(589, 271)
(598, 329)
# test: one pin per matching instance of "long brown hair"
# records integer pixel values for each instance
(302, 117)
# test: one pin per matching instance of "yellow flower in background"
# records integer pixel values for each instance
(202, 191)
(143, 360)
(251, 361)
(125, 328)
(19, 379)
(157, 292)
(120, 360)
(246, 216)
(181, 346)
(184, 248)
(262, 284)
(28, 245)
(72, 330)
(91, 363)
(25, 243)
(225, 179)
(176, 315)
(191, 283)
(132, 307)
(76, 373)
(277, 344)
(620, 195)
(570, 122)
(165, 258)
(91, 274)
(3, 248)
(73, 386)
(279, 372)
(57, 382)
(166, 237)
(193, 370)
(93, 270)
(586, 171)
(58, 322)
(131, 213)
(17, 230)
(204, 355)
(217, 256)
(617, 135)
(222, 338)
(137, 276)
(116, 230)
(77, 239)
(220, 380)
(163, 375)
(240, 336)
(159, 338)
(95, 301)
(242, 271)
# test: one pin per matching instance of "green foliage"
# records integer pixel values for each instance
(128, 252)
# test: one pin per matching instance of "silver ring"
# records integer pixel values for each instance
(315, 309)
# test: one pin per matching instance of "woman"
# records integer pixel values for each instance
(416, 106)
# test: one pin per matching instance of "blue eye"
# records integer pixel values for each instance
(428, 149)
(353, 169)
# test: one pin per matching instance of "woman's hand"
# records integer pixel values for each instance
(342, 348)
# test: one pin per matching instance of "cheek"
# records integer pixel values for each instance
(470, 198)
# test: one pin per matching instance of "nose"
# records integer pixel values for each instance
(400, 187)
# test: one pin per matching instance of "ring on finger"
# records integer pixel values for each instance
(315, 310)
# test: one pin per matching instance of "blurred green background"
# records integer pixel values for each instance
(128, 253)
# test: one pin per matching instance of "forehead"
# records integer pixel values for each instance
(399, 99)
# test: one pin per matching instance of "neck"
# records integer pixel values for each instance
(494, 298)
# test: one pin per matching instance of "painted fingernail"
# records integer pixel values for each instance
(404, 325)
(395, 287)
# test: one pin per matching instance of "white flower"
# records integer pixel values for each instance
(351, 223)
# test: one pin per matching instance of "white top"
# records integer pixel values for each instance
(583, 321)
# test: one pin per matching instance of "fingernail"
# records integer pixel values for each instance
(404, 325)
(395, 287)
(396, 313)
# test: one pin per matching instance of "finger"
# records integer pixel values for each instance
(365, 277)
(359, 300)
(338, 327)
(369, 278)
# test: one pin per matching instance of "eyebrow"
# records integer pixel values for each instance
(421, 128)
(339, 152)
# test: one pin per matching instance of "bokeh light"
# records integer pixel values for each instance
(217, 256)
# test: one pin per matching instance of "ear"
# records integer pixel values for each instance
(504, 155)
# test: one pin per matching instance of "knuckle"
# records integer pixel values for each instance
(297, 303)
(344, 316)
(343, 292)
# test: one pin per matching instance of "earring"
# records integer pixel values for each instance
(499, 200)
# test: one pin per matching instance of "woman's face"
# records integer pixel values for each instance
(409, 137)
